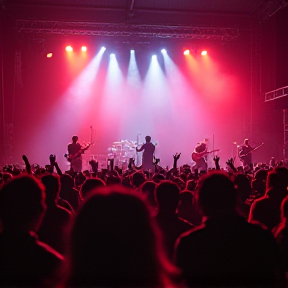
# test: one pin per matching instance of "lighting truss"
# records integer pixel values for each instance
(125, 30)
(276, 94)
(270, 8)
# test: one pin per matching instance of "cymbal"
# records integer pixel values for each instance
(131, 144)
(111, 149)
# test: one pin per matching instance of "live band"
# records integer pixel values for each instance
(199, 154)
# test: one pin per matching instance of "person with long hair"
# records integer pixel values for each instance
(115, 243)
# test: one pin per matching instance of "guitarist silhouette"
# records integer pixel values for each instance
(245, 152)
(75, 150)
(198, 157)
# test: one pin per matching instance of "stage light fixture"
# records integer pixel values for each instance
(132, 51)
(103, 48)
(154, 57)
(112, 55)
(83, 48)
(186, 52)
(163, 51)
(69, 48)
(204, 52)
(49, 55)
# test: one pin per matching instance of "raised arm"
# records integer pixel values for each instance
(27, 164)
(230, 163)
(216, 161)
(140, 149)
(176, 158)
(53, 164)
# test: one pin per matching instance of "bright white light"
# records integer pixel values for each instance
(69, 48)
(164, 51)
(82, 86)
(84, 48)
(114, 73)
(76, 100)
(203, 53)
(113, 88)
(174, 75)
(133, 78)
(102, 49)
(155, 75)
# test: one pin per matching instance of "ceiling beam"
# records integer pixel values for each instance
(125, 30)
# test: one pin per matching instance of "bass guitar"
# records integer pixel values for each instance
(197, 156)
(71, 157)
(242, 156)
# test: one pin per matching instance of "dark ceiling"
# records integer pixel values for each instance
(206, 6)
(142, 11)
(153, 18)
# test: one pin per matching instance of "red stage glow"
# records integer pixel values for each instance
(177, 100)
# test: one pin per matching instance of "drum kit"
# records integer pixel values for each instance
(122, 151)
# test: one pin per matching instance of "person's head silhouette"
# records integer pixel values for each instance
(167, 195)
(217, 194)
(148, 138)
(22, 204)
(113, 242)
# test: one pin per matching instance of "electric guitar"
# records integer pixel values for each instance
(242, 156)
(71, 157)
(197, 156)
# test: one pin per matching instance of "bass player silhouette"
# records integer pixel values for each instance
(74, 156)
(245, 151)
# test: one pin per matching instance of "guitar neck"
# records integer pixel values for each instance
(85, 148)
(257, 147)
(212, 151)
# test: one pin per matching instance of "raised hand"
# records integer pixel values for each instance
(27, 164)
(177, 156)
(230, 163)
(216, 160)
(156, 160)
(52, 159)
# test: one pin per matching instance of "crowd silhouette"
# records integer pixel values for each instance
(222, 227)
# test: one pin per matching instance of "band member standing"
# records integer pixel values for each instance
(198, 156)
(245, 154)
(75, 151)
(147, 157)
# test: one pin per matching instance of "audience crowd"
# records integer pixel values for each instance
(224, 227)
